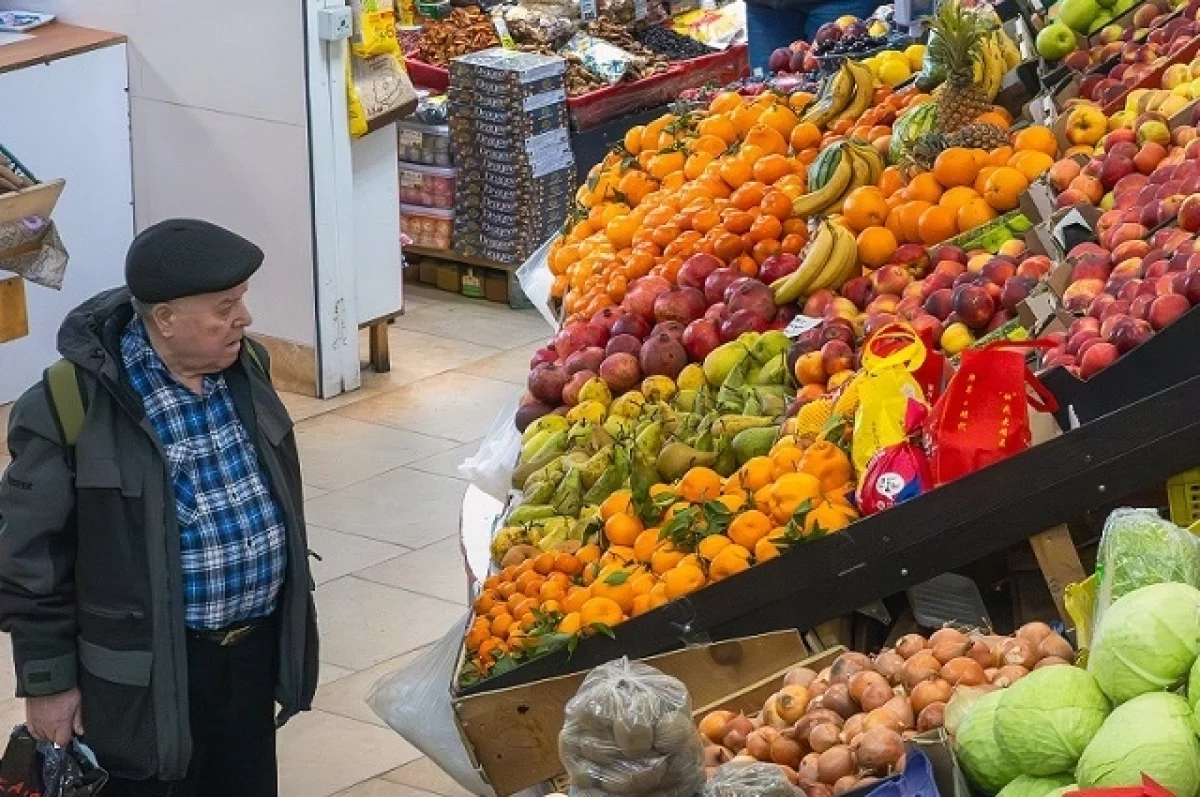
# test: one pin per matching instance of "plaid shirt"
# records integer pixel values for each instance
(231, 529)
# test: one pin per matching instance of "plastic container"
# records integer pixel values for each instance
(432, 228)
(427, 186)
(425, 144)
(1183, 494)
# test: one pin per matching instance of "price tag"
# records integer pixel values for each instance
(640, 11)
(588, 10)
(801, 324)
(411, 179)
(410, 138)
(506, 39)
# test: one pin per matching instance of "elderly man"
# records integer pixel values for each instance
(153, 564)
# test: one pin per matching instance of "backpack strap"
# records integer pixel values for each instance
(252, 349)
(66, 403)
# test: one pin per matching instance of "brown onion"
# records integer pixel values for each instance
(770, 715)
(758, 744)
(815, 788)
(933, 716)
(900, 762)
(888, 664)
(824, 736)
(990, 673)
(799, 676)
(1054, 645)
(938, 691)
(878, 750)
(983, 653)
(1020, 652)
(787, 752)
(946, 635)
(834, 763)
(837, 698)
(863, 680)
(1050, 661)
(910, 645)
(818, 687)
(808, 768)
(921, 667)
(948, 651)
(735, 740)
(876, 695)
(902, 708)
(715, 755)
(843, 785)
(813, 718)
(1008, 675)
(847, 665)
(790, 774)
(791, 702)
(741, 723)
(1035, 632)
(853, 727)
(963, 671)
(713, 726)
(883, 718)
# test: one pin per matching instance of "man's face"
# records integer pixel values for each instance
(205, 332)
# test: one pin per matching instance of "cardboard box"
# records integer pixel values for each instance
(427, 271)
(449, 278)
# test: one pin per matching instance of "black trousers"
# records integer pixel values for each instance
(231, 692)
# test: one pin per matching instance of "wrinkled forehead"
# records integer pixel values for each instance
(219, 300)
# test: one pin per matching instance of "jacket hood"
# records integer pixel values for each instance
(90, 333)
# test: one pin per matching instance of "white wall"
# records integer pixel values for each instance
(220, 130)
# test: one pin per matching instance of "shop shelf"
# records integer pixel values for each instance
(1183, 494)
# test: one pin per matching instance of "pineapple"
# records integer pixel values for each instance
(979, 135)
(958, 46)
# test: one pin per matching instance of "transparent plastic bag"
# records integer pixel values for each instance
(491, 468)
(535, 280)
(30, 768)
(1139, 548)
(415, 703)
(629, 731)
(749, 780)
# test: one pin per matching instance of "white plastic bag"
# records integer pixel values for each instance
(415, 703)
(535, 279)
(491, 468)
(749, 780)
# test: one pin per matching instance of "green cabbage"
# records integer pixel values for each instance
(1138, 549)
(1047, 718)
(1030, 786)
(976, 749)
(1194, 690)
(1147, 642)
(1150, 734)
(1064, 791)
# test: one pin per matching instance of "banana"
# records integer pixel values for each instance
(860, 176)
(864, 91)
(993, 67)
(843, 256)
(873, 157)
(832, 103)
(1008, 49)
(814, 202)
(551, 423)
(790, 288)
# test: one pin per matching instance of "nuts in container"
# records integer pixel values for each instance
(466, 30)
(432, 228)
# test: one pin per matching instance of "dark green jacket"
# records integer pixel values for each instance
(90, 577)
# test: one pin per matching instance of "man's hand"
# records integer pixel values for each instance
(55, 718)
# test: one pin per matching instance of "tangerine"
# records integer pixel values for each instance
(711, 545)
(1036, 138)
(602, 611)
(699, 485)
(665, 558)
(619, 502)
(865, 207)
(938, 224)
(733, 559)
(645, 545)
(1031, 163)
(955, 166)
(623, 529)
(571, 623)
(683, 580)
(876, 246)
(750, 527)
(804, 136)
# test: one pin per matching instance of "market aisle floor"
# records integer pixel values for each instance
(383, 497)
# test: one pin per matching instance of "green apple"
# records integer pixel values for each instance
(1055, 42)
(1122, 6)
(1078, 15)
(1102, 20)
(1106, 3)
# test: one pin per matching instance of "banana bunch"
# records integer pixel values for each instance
(846, 94)
(858, 164)
(830, 259)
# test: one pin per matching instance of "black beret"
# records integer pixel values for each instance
(187, 257)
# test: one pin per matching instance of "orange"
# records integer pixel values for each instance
(777, 204)
(588, 554)
(621, 594)
(766, 549)
(568, 564)
(781, 118)
(770, 139)
(810, 369)
(958, 196)
(891, 181)
(876, 246)
(974, 214)
(865, 207)
(633, 139)
(502, 625)
(1031, 163)
(603, 611)
(552, 591)
(575, 598)
(665, 558)
(735, 171)
(747, 196)
(571, 623)
(712, 545)
(617, 555)
(910, 219)
(1036, 138)
(642, 583)
(938, 224)
(711, 144)
(733, 501)
(999, 157)
(645, 545)
(1004, 187)
(683, 580)
(725, 101)
(481, 629)
(543, 564)
(485, 601)
(719, 127)
(620, 501)
(660, 489)
(955, 167)
(696, 163)
(733, 559)
(790, 491)
(771, 168)
(622, 529)
(750, 527)
(755, 474)
(981, 180)
(804, 135)
(925, 187)
(699, 485)
(641, 605)
(785, 459)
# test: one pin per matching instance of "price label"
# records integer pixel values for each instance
(410, 138)
(506, 39)
(801, 324)
(411, 180)
(588, 10)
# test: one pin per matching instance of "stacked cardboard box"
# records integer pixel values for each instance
(516, 171)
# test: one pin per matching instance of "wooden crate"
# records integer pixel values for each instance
(14, 319)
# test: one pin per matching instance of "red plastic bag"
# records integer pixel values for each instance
(983, 417)
(1149, 788)
(899, 472)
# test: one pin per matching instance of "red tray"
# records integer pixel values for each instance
(597, 107)
(720, 69)
(427, 76)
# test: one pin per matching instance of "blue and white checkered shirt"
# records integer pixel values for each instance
(231, 528)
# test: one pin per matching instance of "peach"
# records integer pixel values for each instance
(951, 268)
(1128, 249)
(1166, 308)
(1063, 172)
(1079, 294)
(998, 270)
(1097, 358)
(892, 278)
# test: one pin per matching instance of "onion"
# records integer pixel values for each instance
(883, 718)
(1018, 651)
(946, 635)
(888, 664)
(853, 727)
(742, 760)
(948, 651)
(933, 716)
(1050, 661)
(790, 774)
(813, 718)
(1008, 675)
(863, 680)
(715, 755)
(910, 645)
(938, 691)
(741, 723)
(900, 763)
(770, 715)
(876, 695)
(824, 736)
(713, 726)
(878, 750)
(844, 784)
(758, 744)
(735, 740)
(816, 789)
(818, 687)
(837, 698)
(791, 703)
(808, 768)
(963, 671)
(847, 666)
(983, 653)
(921, 667)
(834, 763)
(825, 675)
(799, 676)
(990, 673)
(1054, 645)
(787, 752)
(902, 708)
(1034, 632)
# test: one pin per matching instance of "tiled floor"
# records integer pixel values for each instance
(382, 506)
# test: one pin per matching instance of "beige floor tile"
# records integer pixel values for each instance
(342, 554)
(437, 570)
(403, 506)
(417, 354)
(424, 774)
(510, 366)
(321, 754)
(301, 407)
(364, 623)
(313, 492)
(328, 673)
(347, 696)
(446, 463)
(485, 324)
(453, 405)
(377, 787)
(336, 451)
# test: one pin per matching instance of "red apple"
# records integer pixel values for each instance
(892, 278)
(938, 303)
(1167, 308)
(943, 252)
(1097, 358)
(818, 303)
(837, 356)
(973, 304)
(1130, 334)
(773, 268)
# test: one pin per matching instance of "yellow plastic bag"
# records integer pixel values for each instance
(886, 387)
(358, 115)
(374, 28)
(1080, 601)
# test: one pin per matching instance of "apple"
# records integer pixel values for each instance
(1115, 167)
(973, 305)
(1154, 130)
(1080, 294)
(1086, 125)
(1097, 358)
(1055, 41)
(1131, 333)
(1188, 215)
(1015, 291)
(1167, 308)
(1099, 305)
(859, 290)
(1149, 156)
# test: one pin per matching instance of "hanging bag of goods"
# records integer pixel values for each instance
(983, 417)
(889, 359)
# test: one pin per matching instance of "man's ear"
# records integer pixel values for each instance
(163, 318)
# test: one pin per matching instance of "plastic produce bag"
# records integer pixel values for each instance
(889, 359)
(535, 280)
(1138, 548)
(629, 731)
(604, 60)
(40, 769)
(749, 780)
(492, 466)
(415, 703)
(899, 472)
